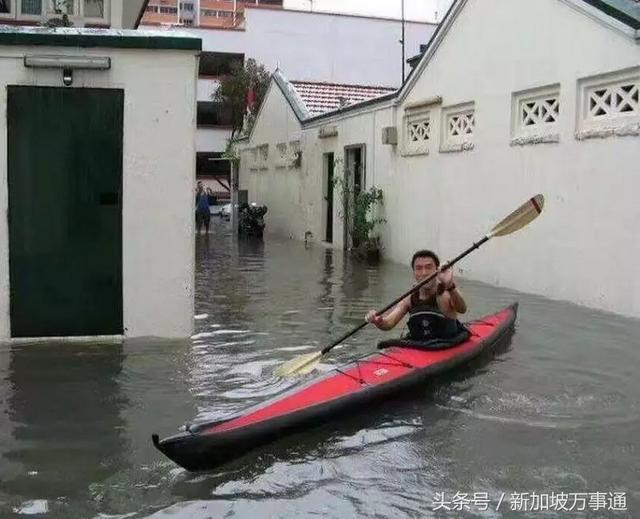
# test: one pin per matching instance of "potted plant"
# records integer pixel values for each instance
(361, 214)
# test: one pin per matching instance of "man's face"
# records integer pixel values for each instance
(423, 268)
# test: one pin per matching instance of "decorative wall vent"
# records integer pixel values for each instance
(609, 104)
(295, 154)
(458, 128)
(535, 115)
(417, 132)
(328, 131)
(281, 155)
(263, 156)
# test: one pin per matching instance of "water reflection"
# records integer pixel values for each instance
(555, 410)
(67, 432)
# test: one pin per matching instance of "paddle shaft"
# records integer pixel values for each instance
(415, 288)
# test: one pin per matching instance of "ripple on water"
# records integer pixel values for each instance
(563, 410)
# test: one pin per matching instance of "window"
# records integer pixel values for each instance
(535, 116)
(152, 9)
(93, 8)
(295, 154)
(253, 158)
(185, 6)
(281, 155)
(417, 131)
(609, 104)
(211, 163)
(31, 7)
(218, 63)
(458, 128)
(263, 156)
(28, 9)
(212, 113)
(62, 7)
(168, 10)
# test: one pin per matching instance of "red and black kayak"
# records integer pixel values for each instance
(205, 446)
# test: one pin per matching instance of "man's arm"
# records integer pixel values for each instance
(391, 318)
(457, 300)
(451, 302)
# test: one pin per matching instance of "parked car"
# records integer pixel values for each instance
(221, 210)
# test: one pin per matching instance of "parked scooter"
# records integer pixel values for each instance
(251, 220)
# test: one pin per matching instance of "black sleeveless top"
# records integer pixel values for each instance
(427, 322)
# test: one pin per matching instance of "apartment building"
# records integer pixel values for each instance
(305, 45)
(115, 14)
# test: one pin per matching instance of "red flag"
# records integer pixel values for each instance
(251, 99)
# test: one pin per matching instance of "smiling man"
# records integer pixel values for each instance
(433, 310)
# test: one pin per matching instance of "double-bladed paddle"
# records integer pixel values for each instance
(522, 216)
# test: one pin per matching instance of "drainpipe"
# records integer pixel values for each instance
(235, 167)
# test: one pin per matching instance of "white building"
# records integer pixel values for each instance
(96, 178)
(416, 10)
(511, 98)
(115, 14)
(309, 46)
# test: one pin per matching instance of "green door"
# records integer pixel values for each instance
(65, 211)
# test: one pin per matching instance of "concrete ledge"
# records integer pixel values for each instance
(111, 339)
(535, 139)
(105, 38)
(456, 148)
(601, 133)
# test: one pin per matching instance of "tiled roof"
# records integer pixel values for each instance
(325, 97)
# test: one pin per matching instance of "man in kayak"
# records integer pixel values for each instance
(433, 310)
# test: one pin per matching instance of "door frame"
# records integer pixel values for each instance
(350, 178)
(328, 198)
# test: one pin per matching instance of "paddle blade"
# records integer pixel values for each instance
(522, 216)
(301, 365)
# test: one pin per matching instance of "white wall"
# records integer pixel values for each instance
(212, 139)
(130, 11)
(206, 88)
(583, 247)
(158, 180)
(282, 190)
(362, 129)
(580, 249)
(417, 10)
(295, 196)
(331, 48)
(321, 47)
(117, 13)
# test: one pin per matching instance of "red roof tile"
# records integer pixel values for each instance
(325, 97)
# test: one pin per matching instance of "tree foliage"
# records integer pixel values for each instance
(243, 92)
(361, 214)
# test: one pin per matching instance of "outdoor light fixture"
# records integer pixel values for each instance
(68, 64)
(80, 62)
(67, 76)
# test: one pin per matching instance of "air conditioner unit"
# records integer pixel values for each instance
(390, 135)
